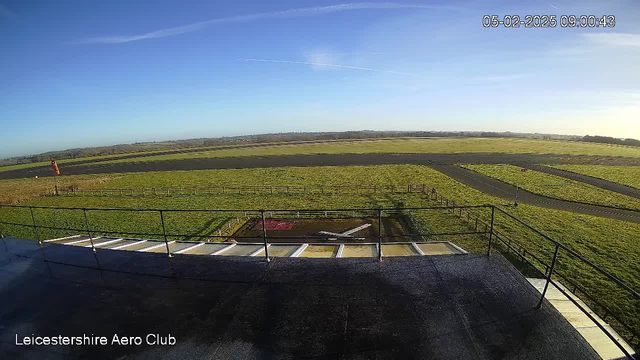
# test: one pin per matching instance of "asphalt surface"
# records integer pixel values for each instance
(507, 191)
(315, 160)
(430, 307)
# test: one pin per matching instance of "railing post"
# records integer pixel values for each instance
(493, 211)
(35, 228)
(264, 236)
(546, 285)
(93, 248)
(86, 224)
(380, 234)
(164, 233)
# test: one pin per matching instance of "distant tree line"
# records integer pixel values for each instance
(611, 140)
(296, 136)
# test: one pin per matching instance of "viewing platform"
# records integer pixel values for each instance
(226, 307)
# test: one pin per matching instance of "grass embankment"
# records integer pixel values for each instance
(611, 244)
(626, 175)
(407, 146)
(556, 186)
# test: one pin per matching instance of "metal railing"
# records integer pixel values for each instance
(549, 272)
(464, 212)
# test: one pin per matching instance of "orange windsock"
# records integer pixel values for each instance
(55, 168)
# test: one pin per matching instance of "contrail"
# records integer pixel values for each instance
(310, 11)
(330, 65)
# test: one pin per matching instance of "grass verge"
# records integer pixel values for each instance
(626, 175)
(555, 186)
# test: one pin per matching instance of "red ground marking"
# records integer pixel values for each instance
(275, 225)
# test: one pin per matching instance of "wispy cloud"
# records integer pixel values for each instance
(614, 39)
(325, 56)
(292, 13)
(329, 65)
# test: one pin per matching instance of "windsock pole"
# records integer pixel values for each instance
(56, 171)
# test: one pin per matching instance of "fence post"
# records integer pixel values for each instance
(164, 232)
(546, 285)
(264, 236)
(380, 234)
(493, 210)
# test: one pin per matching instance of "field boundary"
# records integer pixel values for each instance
(249, 189)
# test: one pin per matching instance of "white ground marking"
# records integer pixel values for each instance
(340, 251)
(156, 246)
(223, 250)
(79, 241)
(417, 249)
(257, 252)
(127, 245)
(462, 251)
(189, 248)
(105, 243)
(347, 233)
(63, 238)
(300, 250)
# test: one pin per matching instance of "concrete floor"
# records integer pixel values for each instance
(422, 307)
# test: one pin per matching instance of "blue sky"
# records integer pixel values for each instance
(88, 73)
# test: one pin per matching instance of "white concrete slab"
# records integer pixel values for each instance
(597, 338)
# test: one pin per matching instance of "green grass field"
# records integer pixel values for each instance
(556, 186)
(433, 145)
(609, 243)
(627, 175)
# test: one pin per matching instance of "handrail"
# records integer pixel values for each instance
(582, 258)
(253, 210)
